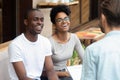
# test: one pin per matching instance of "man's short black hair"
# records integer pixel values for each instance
(26, 15)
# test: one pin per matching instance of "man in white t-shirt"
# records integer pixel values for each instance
(30, 51)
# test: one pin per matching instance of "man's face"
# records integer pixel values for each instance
(35, 22)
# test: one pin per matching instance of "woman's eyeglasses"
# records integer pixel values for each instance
(59, 20)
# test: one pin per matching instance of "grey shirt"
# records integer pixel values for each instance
(63, 52)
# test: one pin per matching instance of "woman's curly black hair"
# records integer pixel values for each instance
(59, 8)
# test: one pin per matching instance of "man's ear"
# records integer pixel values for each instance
(25, 21)
(104, 23)
(103, 19)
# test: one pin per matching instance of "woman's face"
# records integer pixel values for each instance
(62, 22)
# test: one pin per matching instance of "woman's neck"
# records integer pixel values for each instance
(62, 37)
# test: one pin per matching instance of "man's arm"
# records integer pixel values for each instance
(89, 65)
(50, 69)
(20, 70)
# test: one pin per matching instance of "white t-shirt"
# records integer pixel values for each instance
(31, 53)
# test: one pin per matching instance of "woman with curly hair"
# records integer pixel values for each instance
(63, 42)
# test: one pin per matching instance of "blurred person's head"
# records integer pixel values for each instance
(109, 15)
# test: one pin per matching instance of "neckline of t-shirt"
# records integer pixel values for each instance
(28, 40)
(62, 43)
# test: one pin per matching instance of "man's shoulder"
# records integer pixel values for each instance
(97, 44)
(43, 39)
(17, 40)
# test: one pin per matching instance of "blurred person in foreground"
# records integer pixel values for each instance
(63, 42)
(30, 51)
(102, 58)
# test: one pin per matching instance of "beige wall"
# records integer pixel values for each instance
(37, 1)
(47, 29)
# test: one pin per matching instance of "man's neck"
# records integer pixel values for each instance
(31, 37)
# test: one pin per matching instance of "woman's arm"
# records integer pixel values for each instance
(79, 48)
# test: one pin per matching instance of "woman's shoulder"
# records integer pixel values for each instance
(51, 39)
(74, 35)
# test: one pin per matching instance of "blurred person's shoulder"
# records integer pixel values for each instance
(97, 46)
